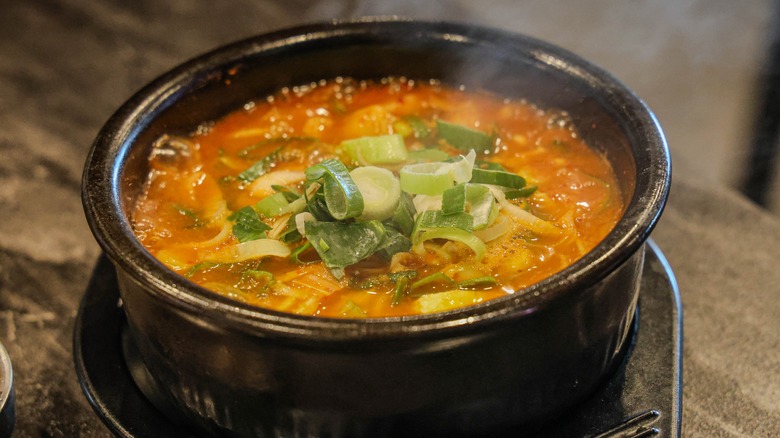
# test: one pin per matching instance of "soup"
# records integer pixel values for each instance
(356, 199)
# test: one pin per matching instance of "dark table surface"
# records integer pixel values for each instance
(64, 68)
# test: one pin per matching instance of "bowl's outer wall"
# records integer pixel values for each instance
(543, 353)
(518, 372)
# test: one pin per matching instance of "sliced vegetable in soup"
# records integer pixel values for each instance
(359, 199)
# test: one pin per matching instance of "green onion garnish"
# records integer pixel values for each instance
(273, 205)
(381, 149)
(380, 189)
(261, 167)
(435, 178)
(497, 178)
(520, 193)
(464, 138)
(342, 197)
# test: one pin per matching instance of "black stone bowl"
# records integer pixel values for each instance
(231, 369)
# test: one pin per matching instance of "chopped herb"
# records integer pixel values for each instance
(260, 167)
(247, 225)
(342, 244)
(197, 222)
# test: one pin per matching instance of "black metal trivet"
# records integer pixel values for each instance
(642, 398)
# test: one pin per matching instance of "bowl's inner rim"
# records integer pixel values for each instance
(141, 264)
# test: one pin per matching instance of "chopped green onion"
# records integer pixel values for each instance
(247, 225)
(289, 193)
(438, 277)
(342, 197)
(437, 219)
(497, 178)
(260, 167)
(273, 205)
(381, 149)
(250, 250)
(435, 178)
(464, 138)
(428, 155)
(409, 273)
(318, 208)
(295, 256)
(454, 200)
(520, 193)
(453, 234)
(380, 189)
(433, 224)
(291, 233)
(481, 205)
(403, 217)
(419, 127)
(489, 165)
(400, 289)
(478, 283)
(343, 244)
(353, 310)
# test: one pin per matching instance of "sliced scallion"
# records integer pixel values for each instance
(435, 178)
(295, 255)
(520, 193)
(478, 283)
(464, 138)
(273, 205)
(260, 167)
(380, 149)
(497, 178)
(428, 155)
(436, 278)
(454, 200)
(400, 290)
(419, 127)
(403, 217)
(380, 189)
(433, 224)
(341, 194)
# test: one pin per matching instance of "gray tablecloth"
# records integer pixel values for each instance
(65, 67)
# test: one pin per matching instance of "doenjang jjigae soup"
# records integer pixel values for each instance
(348, 198)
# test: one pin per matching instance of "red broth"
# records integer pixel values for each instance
(187, 216)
